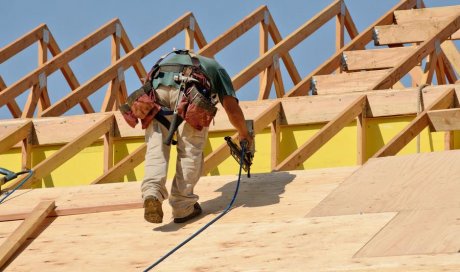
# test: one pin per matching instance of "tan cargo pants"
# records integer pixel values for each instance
(189, 160)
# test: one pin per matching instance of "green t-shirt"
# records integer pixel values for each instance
(221, 83)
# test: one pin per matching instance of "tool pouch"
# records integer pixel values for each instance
(141, 100)
(196, 109)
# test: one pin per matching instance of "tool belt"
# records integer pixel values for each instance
(139, 102)
(195, 107)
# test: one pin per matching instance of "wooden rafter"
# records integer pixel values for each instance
(72, 210)
(382, 103)
(340, 32)
(117, 172)
(57, 62)
(69, 75)
(361, 138)
(22, 43)
(15, 136)
(25, 230)
(448, 69)
(375, 58)
(234, 32)
(83, 140)
(111, 72)
(350, 25)
(287, 59)
(444, 120)
(452, 54)
(128, 47)
(12, 105)
(306, 150)
(406, 64)
(266, 82)
(243, 26)
(416, 126)
(396, 34)
(359, 42)
(275, 130)
(198, 35)
(287, 44)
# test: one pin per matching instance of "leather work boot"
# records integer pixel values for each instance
(152, 210)
(196, 211)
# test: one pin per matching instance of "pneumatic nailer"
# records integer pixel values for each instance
(235, 150)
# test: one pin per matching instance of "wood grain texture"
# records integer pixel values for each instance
(23, 232)
(414, 182)
(417, 232)
(444, 120)
(265, 231)
(375, 58)
(347, 82)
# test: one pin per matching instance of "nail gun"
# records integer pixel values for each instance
(235, 150)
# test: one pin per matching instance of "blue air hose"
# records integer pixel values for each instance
(243, 151)
(31, 172)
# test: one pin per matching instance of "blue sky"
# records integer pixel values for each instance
(70, 21)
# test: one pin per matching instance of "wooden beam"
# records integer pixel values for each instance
(76, 210)
(260, 122)
(406, 64)
(110, 99)
(57, 62)
(440, 73)
(190, 34)
(340, 32)
(68, 127)
(267, 83)
(68, 74)
(44, 100)
(448, 69)
(278, 80)
(298, 111)
(110, 95)
(375, 58)
(452, 54)
(32, 101)
(444, 120)
(264, 76)
(32, 223)
(26, 152)
(83, 140)
(199, 37)
(21, 43)
(359, 42)
(111, 72)
(15, 136)
(347, 82)
(420, 32)
(287, 44)
(305, 151)
(414, 16)
(287, 59)
(234, 32)
(350, 25)
(108, 150)
(430, 66)
(416, 126)
(128, 47)
(12, 105)
(361, 138)
(128, 163)
(275, 129)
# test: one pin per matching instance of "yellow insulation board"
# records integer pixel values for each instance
(341, 150)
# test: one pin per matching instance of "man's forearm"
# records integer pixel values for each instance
(235, 115)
